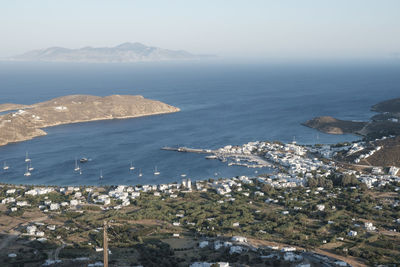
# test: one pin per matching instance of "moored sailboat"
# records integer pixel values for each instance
(77, 168)
(27, 159)
(131, 167)
(27, 173)
(5, 166)
(156, 172)
(30, 166)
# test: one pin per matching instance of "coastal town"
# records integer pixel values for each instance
(307, 210)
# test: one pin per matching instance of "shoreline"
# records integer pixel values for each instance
(84, 121)
(31, 121)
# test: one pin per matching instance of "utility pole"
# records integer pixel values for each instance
(105, 245)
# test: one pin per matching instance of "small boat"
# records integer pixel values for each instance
(27, 159)
(183, 175)
(27, 173)
(131, 167)
(83, 160)
(30, 166)
(101, 174)
(5, 167)
(211, 157)
(77, 168)
(80, 172)
(156, 172)
(140, 173)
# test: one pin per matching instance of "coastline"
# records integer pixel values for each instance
(83, 121)
(31, 129)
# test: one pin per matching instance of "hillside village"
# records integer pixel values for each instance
(305, 180)
(309, 207)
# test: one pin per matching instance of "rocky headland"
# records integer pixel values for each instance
(387, 122)
(29, 121)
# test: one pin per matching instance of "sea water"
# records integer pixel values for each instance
(222, 103)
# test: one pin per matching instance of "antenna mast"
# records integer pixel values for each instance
(105, 245)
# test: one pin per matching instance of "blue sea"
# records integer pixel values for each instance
(222, 103)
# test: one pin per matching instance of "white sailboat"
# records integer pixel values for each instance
(27, 159)
(30, 166)
(101, 174)
(131, 167)
(27, 173)
(77, 168)
(156, 172)
(140, 173)
(5, 167)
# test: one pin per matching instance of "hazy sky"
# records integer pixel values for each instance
(248, 28)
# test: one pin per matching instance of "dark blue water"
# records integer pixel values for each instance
(221, 104)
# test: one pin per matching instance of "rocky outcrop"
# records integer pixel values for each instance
(29, 121)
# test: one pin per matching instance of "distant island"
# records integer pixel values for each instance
(383, 124)
(126, 52)
(29, 120)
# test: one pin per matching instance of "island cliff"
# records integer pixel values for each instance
(28, 122)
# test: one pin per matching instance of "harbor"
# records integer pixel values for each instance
(233, 158)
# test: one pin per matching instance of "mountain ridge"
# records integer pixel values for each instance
(125, 52)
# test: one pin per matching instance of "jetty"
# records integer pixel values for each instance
(190, 150)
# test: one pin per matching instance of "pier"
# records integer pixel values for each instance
(189, 150)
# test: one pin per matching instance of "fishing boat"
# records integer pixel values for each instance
(131, 167)
(5, 167)
(77, 168)
(27, 159)
(27, 173)
(156, 172)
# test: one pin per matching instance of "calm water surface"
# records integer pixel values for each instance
(221, 104)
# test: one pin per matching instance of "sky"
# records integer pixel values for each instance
(227, 28)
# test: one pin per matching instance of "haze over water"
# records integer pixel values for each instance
(221, 104)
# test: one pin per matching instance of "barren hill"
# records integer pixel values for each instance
(331, 125)
(28, 122)
(387, 122)
(391, 106)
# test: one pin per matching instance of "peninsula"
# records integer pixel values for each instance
(29, 120)
(385, 123)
